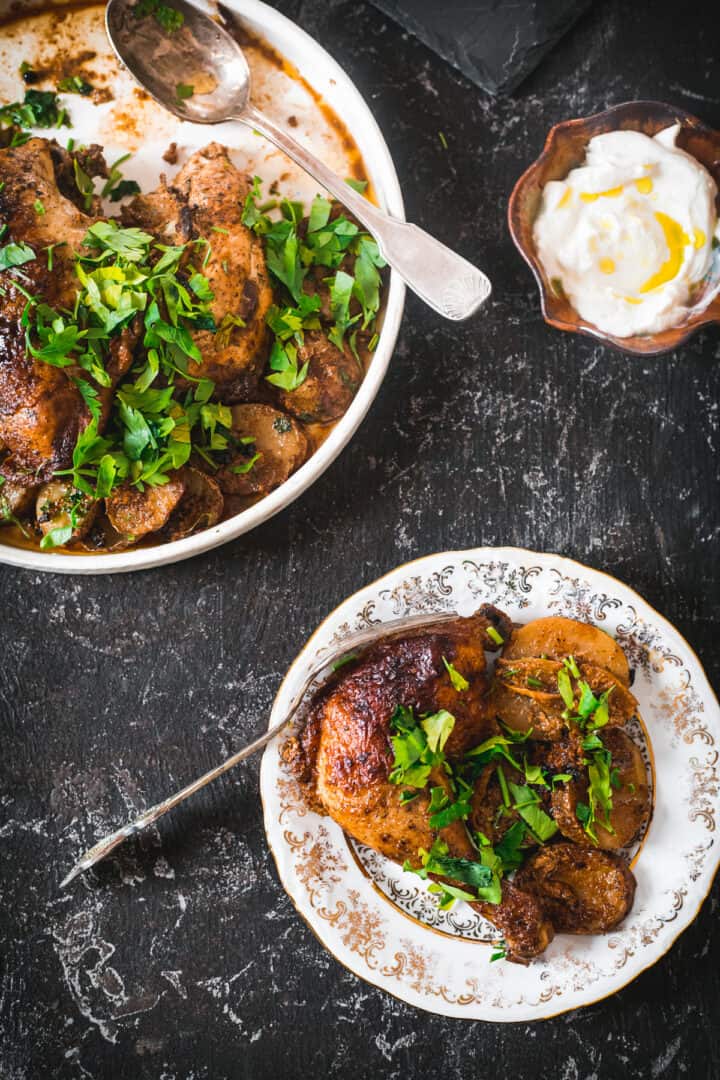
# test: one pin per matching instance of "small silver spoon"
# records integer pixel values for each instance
(350, 645)
(202, 54)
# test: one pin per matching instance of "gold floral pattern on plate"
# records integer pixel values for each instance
(383, 925)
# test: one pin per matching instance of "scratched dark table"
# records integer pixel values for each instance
(183, 957)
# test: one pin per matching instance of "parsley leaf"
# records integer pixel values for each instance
(168, 17)
(459, 681)
(15, 255)
(527, 805)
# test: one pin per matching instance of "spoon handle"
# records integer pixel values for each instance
(108, 843)
(446, 282)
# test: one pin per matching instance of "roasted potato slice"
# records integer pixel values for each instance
(523, 920)
(59, 505)
(200, 507)
(332, 381)
(537, 679)
(557, 637)
(583, 891)
(631, 799)
(278, 439)
(16, 500)
(135, 514)
(521, 713)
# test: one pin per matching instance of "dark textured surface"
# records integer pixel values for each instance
(184, 958)
(495, 44)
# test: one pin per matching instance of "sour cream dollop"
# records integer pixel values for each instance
(628, 235)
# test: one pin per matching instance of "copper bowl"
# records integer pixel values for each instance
(565, 149)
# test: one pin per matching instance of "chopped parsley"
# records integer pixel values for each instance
(527, 804)
(74, 84)
(459, 681)
(167, 16)
(15, 255)
(417, 746)
(116, 187)
(38, 109)
(124, 274)
(351, 258)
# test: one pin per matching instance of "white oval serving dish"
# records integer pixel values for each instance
(334, 87)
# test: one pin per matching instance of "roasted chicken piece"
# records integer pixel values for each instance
(583, 891)
(41, 409)
(346, 740)
(205, 203)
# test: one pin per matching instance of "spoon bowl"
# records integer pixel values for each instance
(200, 55)
(195, 69)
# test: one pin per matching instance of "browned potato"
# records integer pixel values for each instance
(523, 920)
(537, 680)
(557, 637)
(57, 501)
(15, 500)
(523, 713)
(331, 384)
(200, 507)
(583, 891)
(135, 513)
(277, 438)
(631, 801)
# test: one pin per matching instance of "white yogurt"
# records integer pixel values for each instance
(628, 235)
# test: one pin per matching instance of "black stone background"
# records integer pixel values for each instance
(184, 958)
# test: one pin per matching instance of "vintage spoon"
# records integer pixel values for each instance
(201, 54)
(350, 645)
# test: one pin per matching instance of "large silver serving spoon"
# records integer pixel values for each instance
(350, 646)
(202, 54)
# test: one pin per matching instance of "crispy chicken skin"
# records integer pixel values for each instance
(205, 201)
(41, 410)
(346, 741)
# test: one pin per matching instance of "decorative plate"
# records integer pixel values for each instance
(381, 923)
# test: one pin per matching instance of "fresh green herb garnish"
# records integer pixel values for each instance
(184, 91)
(494, 636)
(459, 681)
(167, 16)
(246, 466)
(15, 255)
(527, 805)
(534, 683)
(418, 746)
(39, 207)
(328, 242)
(357, 185)
(74, 84)
(115, 187)
(38, 109)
